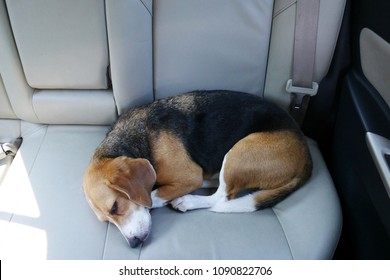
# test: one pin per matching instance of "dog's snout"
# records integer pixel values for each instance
(136, 240)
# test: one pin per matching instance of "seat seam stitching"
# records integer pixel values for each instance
(146, 7)
(39, 150)
(284, 233)
(105, 241)
(277, 13)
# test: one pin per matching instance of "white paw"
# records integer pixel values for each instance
(183, 203)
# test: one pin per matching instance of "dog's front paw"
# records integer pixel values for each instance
(183, 203)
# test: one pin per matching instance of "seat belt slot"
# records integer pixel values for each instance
(9, 149)
(299, 93)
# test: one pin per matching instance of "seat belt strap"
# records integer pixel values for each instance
(302, 86)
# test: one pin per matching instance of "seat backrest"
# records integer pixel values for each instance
(55, 60)
(9, 126)
(202, 44)
(85, 62)
(6, 111)
(129, 29)
(236, 45)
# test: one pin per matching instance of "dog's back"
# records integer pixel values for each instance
(209, 123)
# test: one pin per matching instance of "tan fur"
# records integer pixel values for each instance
(177, 174)
(131, 178)
(275, 162)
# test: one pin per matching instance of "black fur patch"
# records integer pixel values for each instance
(208, 123)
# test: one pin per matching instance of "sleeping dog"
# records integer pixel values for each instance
(159, 153)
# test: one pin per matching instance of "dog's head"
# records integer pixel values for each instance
(119, 190)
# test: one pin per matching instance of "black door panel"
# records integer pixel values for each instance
(366, 203)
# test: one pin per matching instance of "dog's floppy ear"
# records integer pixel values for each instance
(134, 178)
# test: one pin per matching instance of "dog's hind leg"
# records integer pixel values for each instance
(274, 164)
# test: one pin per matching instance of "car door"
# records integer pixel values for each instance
(361, 140)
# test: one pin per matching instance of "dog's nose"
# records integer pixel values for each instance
(136, 240)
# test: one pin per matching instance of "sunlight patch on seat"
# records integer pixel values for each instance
(16, 192)
(24, 242)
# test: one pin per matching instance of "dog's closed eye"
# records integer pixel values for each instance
(114, 209)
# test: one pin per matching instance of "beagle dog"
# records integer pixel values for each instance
(159, 153)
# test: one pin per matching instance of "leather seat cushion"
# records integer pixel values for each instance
(44, 214)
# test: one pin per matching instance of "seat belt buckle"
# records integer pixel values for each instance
(300, 92)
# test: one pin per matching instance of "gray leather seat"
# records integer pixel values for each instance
(65, 78)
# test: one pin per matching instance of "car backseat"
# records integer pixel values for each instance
(69, 68)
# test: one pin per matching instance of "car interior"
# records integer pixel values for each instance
(68, 69)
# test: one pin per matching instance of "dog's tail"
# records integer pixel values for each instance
(268, 198)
